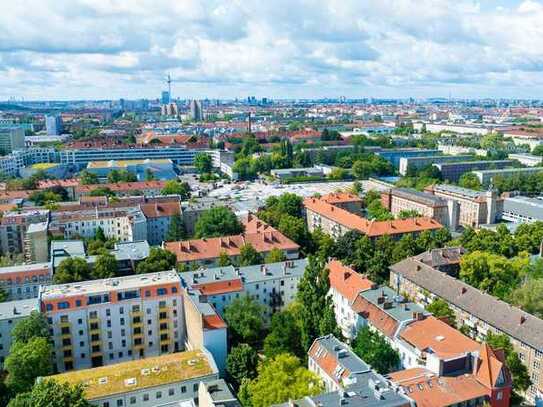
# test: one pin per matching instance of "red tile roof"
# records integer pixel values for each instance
(376, 316)
(220, 287)
(213, 322)
(160, 209)
(341, 197)
(327, 361)
(122, 186)
(346, 281)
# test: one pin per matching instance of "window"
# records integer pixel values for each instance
(63, 305)
(195, 387)
(161, 291)
(106, 404)
(146, 397)
(171, 392)
(133, 400)
(158, 394)
(174, 290)
(183, 389)
(77, 303)
(119, 402)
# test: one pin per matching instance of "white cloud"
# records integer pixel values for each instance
(289, 48)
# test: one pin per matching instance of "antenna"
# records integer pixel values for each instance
(169, 82)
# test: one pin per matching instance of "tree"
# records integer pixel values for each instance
(173, 187)
(440, 309)
(529, 296)
(374, 350)
(404, 248)
(519, 372)
(105, 267)
(99, 234)
(158, 260)
(316, 312)
(281, 379)
(346, 245)
(26, 362)
(4, 296)
(218, 221)
(469, 180)
(408, 213)
(284, 336)
(34, 326)
(102, 191)
(52, 394)
(275, 256)
(149, 175)
(248, 255)
(244, 317)
(294, 228)
(224, 260)
(241, 363)
(202, 162)
(88, 178)
(176, 229)
(71, 270)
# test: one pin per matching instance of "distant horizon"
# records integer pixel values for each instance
(286, 49)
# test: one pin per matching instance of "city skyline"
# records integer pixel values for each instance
(57, 50)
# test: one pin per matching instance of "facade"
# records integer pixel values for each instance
(13, 230)
(23, 281)
(474, 208)
(159, 217)
(162, 380)
(479, 312)
(11, 313)
(11, 138)
(120, 189)
(485, 177)
(316, 171)
(522, 209)
(196, 111)
(411, 164)
(336, 221)
(53, 125)
(395, 155)
(102, 322)
(453, 171)
(216, 393)
(36, 243)
(161, 169)
(528, 160)
(397, 200)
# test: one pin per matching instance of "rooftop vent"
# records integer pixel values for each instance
(145, 372)
(130, 382)
(102, 380)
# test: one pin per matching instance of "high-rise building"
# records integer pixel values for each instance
(165, 97)
(196, 111)
(11, 138)
(53, 125)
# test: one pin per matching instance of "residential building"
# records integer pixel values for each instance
(316, 171)
(336, 221)
(273, 285)
(474, 208)
(522, 209)
(11, 138)
(24, 281)
(206, 251)
(53, 124)
(479, 312)
(216, 393)
(159, 217)
(13, 231)
(485, 177)
(453, 171)
(161, 380)
(398, 200)
(395, 155)
(11, 313)
(36, 243)
(160, 169)
(196, 111)
(528, 160)
(101, 322)
(409, 165)
(146, 188)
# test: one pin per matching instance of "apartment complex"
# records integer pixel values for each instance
(11, 138)
(395, 155)
(397, 200)
(475, 208)
(522, 209)
(159, 217)
(23, 281)
(485, 177)
(13, 231)
(479, 312)
(166, 380)
(102, 322)
(120, 189)
(453, 171)
(336, 221)
(11, 313)
(528, 160)
(409, 165)
(206, 252)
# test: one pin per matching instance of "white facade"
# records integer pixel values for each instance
(24, 281)
(11, 313)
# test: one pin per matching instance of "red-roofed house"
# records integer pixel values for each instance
(159, 217)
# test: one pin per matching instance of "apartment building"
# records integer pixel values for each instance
(103, 322)
(11, 138)
(522, 209)
(206, 252)
(24, 281)
(166, 380)
(477, 311)
(122, 224)
(409, 165)
(485, 177)
(336, 221)
(273, 285)
(453, 171)
(528, 160)
(11, 313)
(13, 229)
(475, 208)
(159, 217)
(395, 155)
(36, 243)
(120, 189)
(161, 169)
(427, 205)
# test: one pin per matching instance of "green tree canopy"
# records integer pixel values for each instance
(224, 260)
(280, 379)
(373, 349)
(34, 326)
(469, 180)
(88, 178)
(245, 318)
(173, 187)
(529, 296)
(248, 255)
(241, 363)
(158, 260)
(275, 256)
(284, 335)
(176, 229)
(440, 309)
(203, 163)
(105, 267)
(71, 270)
(51, 394)
(218, 221)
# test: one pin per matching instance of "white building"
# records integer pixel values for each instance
(53, 125)
(24, 281)
(101, 322)
(11, 313)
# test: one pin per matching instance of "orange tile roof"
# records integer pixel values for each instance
(66, 183)
(14, 194)
(123, 186)
(341, 197)
(326, 361)
(367, 227)
(429, 390)
(160, 209)
(433, 335)
(213, 322)
(490, 365)
(347, 281)
(376, 316)
(220, 287)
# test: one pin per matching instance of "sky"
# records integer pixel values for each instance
(110, 49)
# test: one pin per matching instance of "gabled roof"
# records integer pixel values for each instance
(490, 366)
(376, 316)
(220, 287)
(160, 209)
(346, 281)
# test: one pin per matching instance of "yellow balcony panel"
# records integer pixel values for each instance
(65, 324)
(164, 307)
(137, 324)
(96, 342)
(68, 359)
(162, 320)
(66, 335)
(94, 319)
(138, 336)
(138, 346)
(66, 347)
(94, 331)
(97, 353)
(136, 314)
(165, 341)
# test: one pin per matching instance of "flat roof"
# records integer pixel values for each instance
(19, 308)
(126, 163)
(23, 268)
(140, 374)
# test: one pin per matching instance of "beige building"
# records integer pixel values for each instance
(36, 244)
(479, 313)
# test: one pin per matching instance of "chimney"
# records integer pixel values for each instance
(464, 290)
(522, 319)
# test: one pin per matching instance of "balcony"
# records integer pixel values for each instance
(165, 341)
(66, 347)
(138, 347)
(135, 314)
(137, 335)
(138, 324)
(96, 353)
(68, 359)
(65, 324)
(96, 342)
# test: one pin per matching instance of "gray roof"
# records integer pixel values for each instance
(138, 250)
(19, 308)
(442, 257)
(248, 274)
(417, 196)
(525, 206)
(37, 227)
(69, 247)
(488, 308)
(484, 163)
(399, 309)
(458, 190)
(221, 393)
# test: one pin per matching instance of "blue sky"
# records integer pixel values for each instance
(72, 49)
